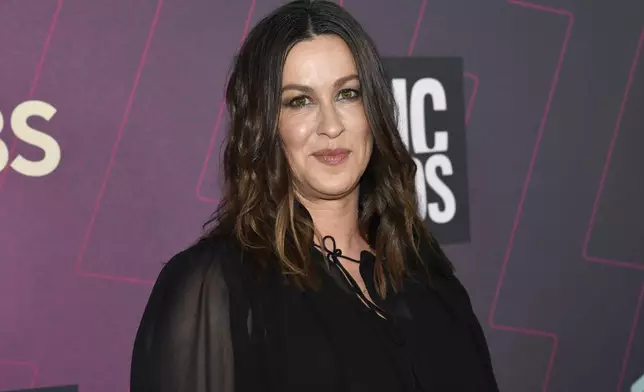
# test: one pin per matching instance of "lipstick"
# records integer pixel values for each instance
(332, 157)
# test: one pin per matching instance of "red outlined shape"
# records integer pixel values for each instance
(631, 339)
(517, 217)
(220, 116)
(34, 81)
(609, 156)
(410, 51)
(99, 198)
(419, 22)
(30, 365)
(470, 102)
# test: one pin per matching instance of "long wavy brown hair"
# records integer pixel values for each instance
(258, 204)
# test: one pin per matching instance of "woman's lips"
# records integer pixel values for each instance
(332, 157)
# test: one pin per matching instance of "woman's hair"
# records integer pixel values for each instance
(258, 204)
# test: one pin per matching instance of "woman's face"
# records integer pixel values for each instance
(322, 122)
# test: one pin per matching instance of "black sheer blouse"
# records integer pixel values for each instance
(211, 326)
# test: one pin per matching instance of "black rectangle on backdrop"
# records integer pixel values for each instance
(430, 96)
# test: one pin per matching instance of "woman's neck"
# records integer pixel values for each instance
(336, 218)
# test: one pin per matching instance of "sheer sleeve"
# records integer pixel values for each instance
(187, 340)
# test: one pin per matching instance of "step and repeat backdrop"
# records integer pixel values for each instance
(525, 120)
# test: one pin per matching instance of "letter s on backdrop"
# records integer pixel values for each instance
(32, 136)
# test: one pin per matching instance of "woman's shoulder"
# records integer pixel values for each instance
(433, 259)
(206, 251)
(442, 274)
(211, 259)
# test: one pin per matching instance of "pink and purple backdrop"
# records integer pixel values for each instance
(555, 96)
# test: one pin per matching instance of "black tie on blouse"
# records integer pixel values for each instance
(333, 254)
(382, 308)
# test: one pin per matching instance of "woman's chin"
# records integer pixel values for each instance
(334, 191)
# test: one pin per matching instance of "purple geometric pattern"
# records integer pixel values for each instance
(152, 155)
(612, 262)
(138, 90)
(609, 155)
(526, 183)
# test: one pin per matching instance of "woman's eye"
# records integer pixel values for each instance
(298, 102)
(349, 94)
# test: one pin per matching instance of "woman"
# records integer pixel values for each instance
(317, 273)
